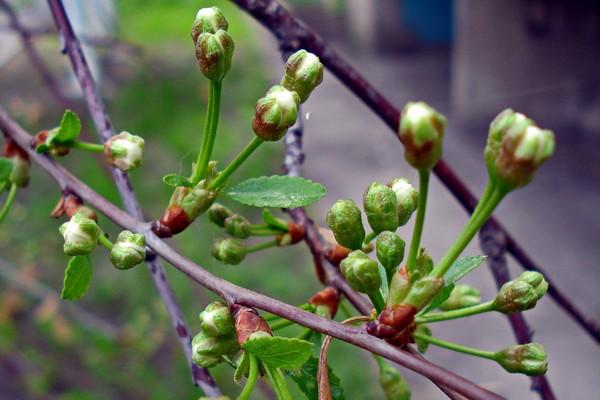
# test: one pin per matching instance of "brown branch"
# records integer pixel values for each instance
(234, 294)
(201, 377)
(293, 35)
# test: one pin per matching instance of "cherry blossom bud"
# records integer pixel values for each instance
(344, 220)
(361, 272)
(218, 213)
(462, 296)
(128, 251)
(275, 113)
(303, 73)
(214, 52)
(520, 294)
(530, 359)
(380, 205)
(238, 226)
(217, 319)
(207, 350)
(229, 251)
(81, 235)
(407, 199)
(421, 131)
(208, 20)
(124, 151)
(389, 249)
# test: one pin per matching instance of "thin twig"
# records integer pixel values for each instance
(293, 35)
(234, 294)
(201, 376)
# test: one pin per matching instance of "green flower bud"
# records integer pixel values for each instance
(238, 226)
(81, 235)
(462, 296)
(423, 265)
(515, 149)
(393, 384)
(536, 280)
(344, 220)
(406, 198)
(515, 296)
(229, 251)
(275, 113)
(208, 20)
(217, 319)
(128, 251)
(303, 73)
(389, 249)
(361, 272)
(207, 350)
(218, 213)
(423, 291)
(124, 151)
(399, 287)
(421, 131)
(380, 205)
(530, 359)
(20, 171)
(214, 52)
(422, 345)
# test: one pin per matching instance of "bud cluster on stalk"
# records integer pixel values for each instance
(214, 46)
(217, 337)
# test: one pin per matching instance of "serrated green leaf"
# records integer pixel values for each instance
(272, 221)
(69, 129)
(243, 365)
(277, 191)
(457, 270)
(306, 379)
(6, 167)
(280, 352)
(77, 278)
(176, 180)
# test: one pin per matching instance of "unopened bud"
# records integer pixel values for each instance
(380, 205)
(406, 197)
(214, 52)
(207, 350)
(275, 113)
(345, 221)
(462, 296)
(229, 251)
(218, 213)
(80, 234)
(208, 20)
(536, 280)
(521, 294)
(303, 73)
(20, 171)
(129, 250)
(515, 149)
(238, 226)
(530, 359)
(124, 151)
(421, 131)
(361, 272)
(389, 248)
(217, 319)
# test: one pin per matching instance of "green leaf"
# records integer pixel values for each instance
(70, 126)
(272, 221)
(306, 379)
(77, 278)
(457, 270)
(280, 352)
(176, 180)
(6, 167)
(42, 148)
(243, 365)
(277, 191)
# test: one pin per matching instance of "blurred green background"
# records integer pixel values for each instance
(117, 342)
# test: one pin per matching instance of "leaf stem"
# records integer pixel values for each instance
(104, 241)
(210, 132)
(281, 389)
(369, 237)
(262, 246)
(454, 314)
(91, 147)
(377, 299)
(252, 376)
(424, 175)
(235, 164)
(490, 355)
(10, 199)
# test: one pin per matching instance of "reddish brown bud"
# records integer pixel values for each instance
(69, 204)
(336, 254)
(57, 149)
(247, 322)
(11, 149)
(173, 221)
(296, 231)
(402, 338)
(329, 297)
(392, 320)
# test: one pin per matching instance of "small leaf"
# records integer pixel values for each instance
(77, 278)
(280, 352)
(176, 180)
(306, 379)
(442, 296)
(6, 166)
(272, 221)
(42, 148)
(70, 126)
(243, 365)
(277, 191)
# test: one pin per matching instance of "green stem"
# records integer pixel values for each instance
(3, 185)
(377, 299)
(262, 246)
(369, 237)
(210, 132)
(479, 217)
(490, 355)
(424, 175)
(305, 334)
(454, 314)
(103, 240)
(283, 323)
(262, 230)
(235, 164)
(279, 385)
(252, 376)
(10, 199)
(92, 147)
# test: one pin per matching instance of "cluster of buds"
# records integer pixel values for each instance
(129, 250)
(521, 294)
(214, 46)
(124, 151)
(421, 131)
(81, 235)
(515, 149)
(217, 337)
